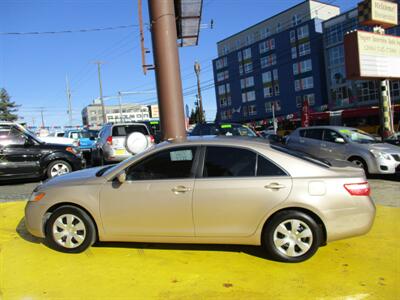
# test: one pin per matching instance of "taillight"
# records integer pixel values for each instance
(151, 139)
(109, 140)
(358, 189)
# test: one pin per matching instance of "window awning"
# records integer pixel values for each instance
(188, 17)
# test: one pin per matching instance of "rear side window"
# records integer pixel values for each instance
(124, 130)
(267, 168)
(229, 162)
(302, 133)
(315, 134)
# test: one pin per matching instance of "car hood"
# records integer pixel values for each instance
(86, 176)
(384, 147)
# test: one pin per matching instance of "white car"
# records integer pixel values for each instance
(55, 138)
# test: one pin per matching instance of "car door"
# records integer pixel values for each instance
(312, 141)
(19, 155)
(235, 191)
(332, 146)
(155, 200)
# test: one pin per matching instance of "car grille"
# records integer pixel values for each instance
(396, 157)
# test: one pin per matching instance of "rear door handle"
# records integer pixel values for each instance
(274, 186)
(181, 189)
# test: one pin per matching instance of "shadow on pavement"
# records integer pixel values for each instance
(24, 234)
(19, 181)
(392, 177)
(256, 251)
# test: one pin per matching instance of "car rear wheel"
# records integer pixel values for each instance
(57, 168)
(69, 229)
(291, 236)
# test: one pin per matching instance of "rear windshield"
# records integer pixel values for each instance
(124, 130)
(90, 134)
(304, 156)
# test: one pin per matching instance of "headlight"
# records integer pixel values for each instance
(37, 196)
(72, 150)
(379, 154)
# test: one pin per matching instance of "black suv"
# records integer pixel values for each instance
(23, 155)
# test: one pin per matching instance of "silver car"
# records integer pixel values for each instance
(113, 142)
(346, 143)
(213, 190)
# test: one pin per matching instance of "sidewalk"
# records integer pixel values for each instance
(366, 267)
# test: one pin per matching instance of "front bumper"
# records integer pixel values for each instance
(34, 218)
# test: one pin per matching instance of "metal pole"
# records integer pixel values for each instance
(69, 101)
(386, 117)
(273, 116)
(120, 106)
(41, 113)
(168, 77)
(197, 71)
(103, 111)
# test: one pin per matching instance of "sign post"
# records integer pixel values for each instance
(374, 55)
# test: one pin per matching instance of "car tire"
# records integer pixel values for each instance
(57, 168)
(69, 229)
(95, 158)
(359, 162)
(283, 243)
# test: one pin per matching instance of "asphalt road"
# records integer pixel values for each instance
(385, 191)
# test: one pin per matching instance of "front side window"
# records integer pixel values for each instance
(315, 134)
(9, 135)
(331, 136)
(168, 164)
(229, 162)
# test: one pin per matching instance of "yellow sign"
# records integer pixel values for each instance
(377, 13)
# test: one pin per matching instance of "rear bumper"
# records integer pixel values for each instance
(350, 222)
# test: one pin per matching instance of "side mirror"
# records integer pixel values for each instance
(339, 140)
(121, 177)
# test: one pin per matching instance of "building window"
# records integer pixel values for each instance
(302, 67)
(268, 92)
(252, 110)
(276, 89)
(240, 56)
(304, 84)
(268, 60)
(266, 77)
(248, 96)
(247, 53)
(294, 52)
(224, 89)
(268, 106)
(336, 56)
(304, 49)
(267, 45)
(225, 50)
(221, 63)
(264, 33)
(302, 32)
(310, 98)
(275, 72)
(296, 20)
(292, 36)
(248, 67)
(225, 100)
(247, 82)
(278, 27)
(224, 75)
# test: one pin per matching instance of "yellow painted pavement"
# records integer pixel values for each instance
(366, 267)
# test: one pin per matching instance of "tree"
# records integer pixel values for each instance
(7, 107)
(195, 116)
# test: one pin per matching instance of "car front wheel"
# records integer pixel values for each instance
(70, 229)
(291, 236)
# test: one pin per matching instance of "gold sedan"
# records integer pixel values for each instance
(212, 190)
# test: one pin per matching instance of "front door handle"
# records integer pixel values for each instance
(181, 189)
(274, 186)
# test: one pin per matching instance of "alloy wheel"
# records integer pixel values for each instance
(59, 169)
(69, 231)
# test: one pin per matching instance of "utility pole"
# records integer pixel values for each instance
(168, 76)
(197, 71)
(69, 101)
(103, 111)
(120, 106)
(41, 113)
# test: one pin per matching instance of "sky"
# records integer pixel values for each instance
(34, 67)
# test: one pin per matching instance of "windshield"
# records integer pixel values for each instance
(358, 136)
(235, 130)
(89, 134)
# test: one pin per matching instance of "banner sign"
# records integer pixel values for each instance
(372, 56)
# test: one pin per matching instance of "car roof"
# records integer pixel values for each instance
(218, 140)
(328, 127)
